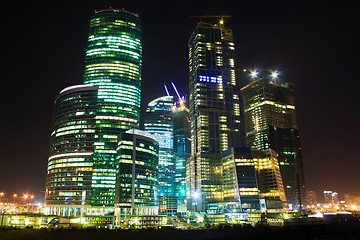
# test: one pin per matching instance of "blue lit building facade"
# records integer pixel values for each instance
(159, 122)
(214, 109)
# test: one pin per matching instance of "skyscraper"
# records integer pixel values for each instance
(214, 107)
(159, 122)
(70, 165)
(182, 151)
(239, 178)
(137, 174)
(113, 63)
(89, 118)
(270, 123)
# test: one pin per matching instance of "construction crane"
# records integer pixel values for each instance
(213, 16)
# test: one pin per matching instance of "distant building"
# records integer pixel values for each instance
(270, 123)
(335, 198)
(328, 197)
(136, 175)
(214, 109)
(311, 197)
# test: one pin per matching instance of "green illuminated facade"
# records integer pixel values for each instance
(214, 108)
(89, 118)
(137, 172)
(270, 123)
(113, 63)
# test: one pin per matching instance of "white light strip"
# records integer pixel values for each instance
(71, 155)
(116, 118)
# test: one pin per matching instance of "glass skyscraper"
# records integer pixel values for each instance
(70, 165)
(137, 174)
(270, 123)
(239, 178)
(182, 151)
(159, 122)
(113, 63)
(93, 115)
(214, 108)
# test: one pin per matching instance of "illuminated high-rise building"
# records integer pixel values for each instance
(159, 122)
(270, 123)
(137, 174)
(113, 63)
(239, 178)
(182, 151)
(70, 164)
(214, 108)
(269, 178)
(89, 118)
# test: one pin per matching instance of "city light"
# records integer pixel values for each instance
(275, 74)
(254, 74)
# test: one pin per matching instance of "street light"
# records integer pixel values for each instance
(2, 195)
(14, 196)
(26, 197)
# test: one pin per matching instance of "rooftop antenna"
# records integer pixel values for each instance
(177, 93)
(166, 90)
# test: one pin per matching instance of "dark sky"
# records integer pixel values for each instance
(314, 45)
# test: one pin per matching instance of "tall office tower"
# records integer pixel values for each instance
(137, 174)
(214, 107)
(182, 151)
(70, 164)
(270, 123)
(113, 63)
(239, 178)
(159, 122)
(89, 118)
(269, 178)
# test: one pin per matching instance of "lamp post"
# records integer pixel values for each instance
(14, 196)
(26, 197)
(1, 196)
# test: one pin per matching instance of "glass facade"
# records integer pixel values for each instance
(89, 119)
(113, 63)
(182, 150)
(270, 123)
(70, 163)
(269, 178)
(214, 108)
(239, 178)
(159, 122)
(137, 170)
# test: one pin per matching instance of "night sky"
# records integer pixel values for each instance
(313, 45)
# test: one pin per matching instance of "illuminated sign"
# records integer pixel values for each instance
(210, 79)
